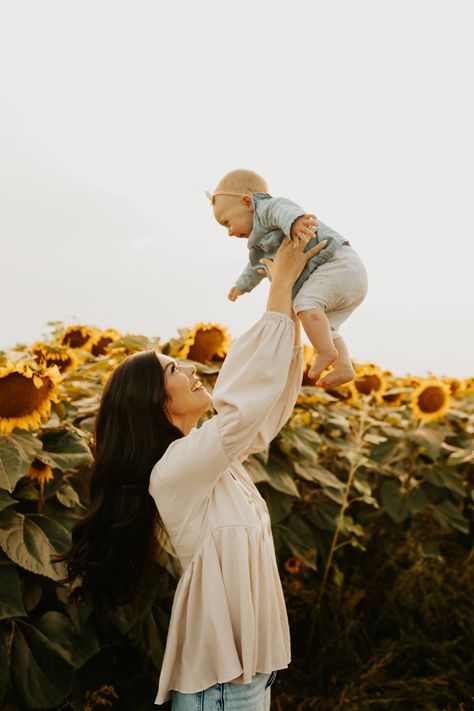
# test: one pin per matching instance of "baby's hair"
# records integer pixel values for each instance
(242, 181)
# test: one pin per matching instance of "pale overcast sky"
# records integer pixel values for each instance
(116, 116)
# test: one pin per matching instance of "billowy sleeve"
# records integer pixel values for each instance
(254, 395)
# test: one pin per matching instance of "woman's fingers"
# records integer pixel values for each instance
(314, 250)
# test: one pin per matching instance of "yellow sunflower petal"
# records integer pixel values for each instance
(40, 472)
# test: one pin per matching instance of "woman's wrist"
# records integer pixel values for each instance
(296, 321)
(279, 297)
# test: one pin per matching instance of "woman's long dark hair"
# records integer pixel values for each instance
(114, 545)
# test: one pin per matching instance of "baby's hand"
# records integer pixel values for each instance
(303, 226)
(234, 293)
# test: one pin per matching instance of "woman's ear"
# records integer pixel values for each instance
(247, 200)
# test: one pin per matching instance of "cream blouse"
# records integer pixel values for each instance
(228, 619)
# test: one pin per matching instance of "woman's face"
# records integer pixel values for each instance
(188, 399)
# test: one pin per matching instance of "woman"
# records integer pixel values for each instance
(228, 631)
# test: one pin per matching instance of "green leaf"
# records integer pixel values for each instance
(399, 504)
(280, 479)
(323, 513)
(65, 450)
(448, 515)
(256, 470)
(385, 451)
(17, 451)
(393, 501)
(5, 500)
(6, 639)
(300, 540)
(361, 485)
(299, 443)
(11, 604)
(347, 525)
(75, 646)
(279, 504)
(338, 576)
(446, 477)
(318, 474)
(373, 438)
(30, 539)
(460, 456)
(40, 676)
(68, 496)
(429, 438)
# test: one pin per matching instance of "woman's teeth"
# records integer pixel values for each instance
(196, 386)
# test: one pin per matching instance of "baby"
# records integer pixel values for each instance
(328, 289)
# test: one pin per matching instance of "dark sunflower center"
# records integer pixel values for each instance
(39, 466)
(19, 396)
(99, 347)
(368, 384)
(206, 345)
(392, 398)
(431, 399)
(75, 339)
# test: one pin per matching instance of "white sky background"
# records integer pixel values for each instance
(116, 116)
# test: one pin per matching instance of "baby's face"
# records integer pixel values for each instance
(234, 214)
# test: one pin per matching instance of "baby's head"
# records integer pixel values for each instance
(232, 201)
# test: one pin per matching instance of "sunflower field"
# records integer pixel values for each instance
(370, 488)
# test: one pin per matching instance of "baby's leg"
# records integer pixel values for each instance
(318, 330)
(342, 372)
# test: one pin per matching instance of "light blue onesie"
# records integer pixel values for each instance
(341, 280)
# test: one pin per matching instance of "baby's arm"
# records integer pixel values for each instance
(247, 281)
(289, 217)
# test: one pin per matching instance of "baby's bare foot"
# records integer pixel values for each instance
(336, 376)
(321, 362)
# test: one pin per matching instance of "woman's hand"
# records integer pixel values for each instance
(284, 270)
(290, 259)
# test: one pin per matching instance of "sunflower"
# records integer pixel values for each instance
(468, 387)
(394, 399)
(396, 393)
(456, 386)
(101, 339)
(53, 354)
(292, 565)
(205, 342)
(430, 401)
(40, 472)
(26, 393)
(370, 380)
(410, 381)
(77, 337)
(346, 393)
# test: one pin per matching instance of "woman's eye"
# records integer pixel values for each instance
(173, 368)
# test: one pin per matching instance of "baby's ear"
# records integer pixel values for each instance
(247, 200)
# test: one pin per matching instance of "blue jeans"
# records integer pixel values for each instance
(254, 696)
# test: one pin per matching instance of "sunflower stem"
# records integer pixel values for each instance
(358, 443)
(41, 497)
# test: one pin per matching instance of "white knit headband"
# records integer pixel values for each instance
(211, 196)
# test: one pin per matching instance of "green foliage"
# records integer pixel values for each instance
(376, 507)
